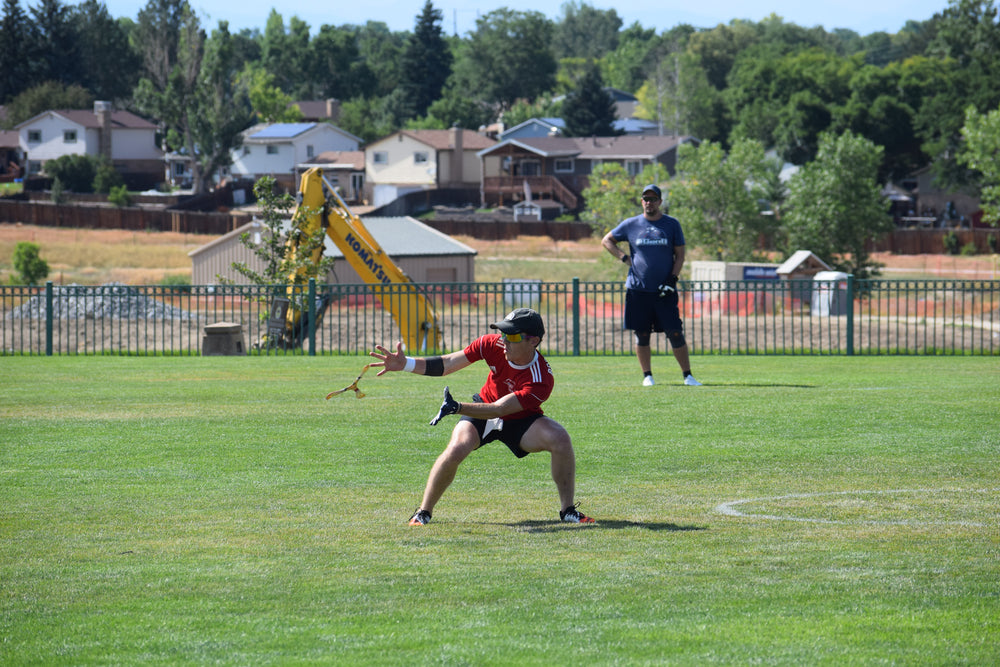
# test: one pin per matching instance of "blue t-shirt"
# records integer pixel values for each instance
(651, 244)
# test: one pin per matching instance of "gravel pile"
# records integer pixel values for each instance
(109, 301)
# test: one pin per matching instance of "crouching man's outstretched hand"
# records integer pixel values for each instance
(448, 407)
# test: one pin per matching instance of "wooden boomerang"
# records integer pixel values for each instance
(351, 387)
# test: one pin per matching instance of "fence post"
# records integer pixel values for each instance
(48, 318)
(576, 317)
(312, 317)
(850, 314)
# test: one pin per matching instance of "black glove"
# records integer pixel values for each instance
(669, 285)
(449, 407)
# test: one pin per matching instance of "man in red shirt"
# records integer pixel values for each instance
(508, 408)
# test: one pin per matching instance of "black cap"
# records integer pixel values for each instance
(655, 189)
(522, 320)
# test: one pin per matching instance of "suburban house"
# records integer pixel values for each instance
(413, 160)
(276, 149)
(558, 168)
(423, 253)
(123, 137)
(345, 170)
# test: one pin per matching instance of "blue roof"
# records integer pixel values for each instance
(282, 130)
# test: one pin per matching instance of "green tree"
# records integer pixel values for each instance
(17, 51)
(222, 107)
(507, 57)
(267, 100)
(718, 49)
(173, 47)
(835, 206)
(109, 66)
(629, 64)
(269, 242)
(680, 99)
(716, 196)
(612, 195)
(981, 133)
(585, 32)
(589, 111)
(56, 43)
(968, 33)
(29, 265)
(426, 61)
(43, 97)
(337, 68)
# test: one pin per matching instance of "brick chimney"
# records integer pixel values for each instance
(457, 155)
(333, 109)
(103, 112)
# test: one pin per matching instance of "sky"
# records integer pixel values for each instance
(459, 17)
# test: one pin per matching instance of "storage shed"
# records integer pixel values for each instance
(423, 253)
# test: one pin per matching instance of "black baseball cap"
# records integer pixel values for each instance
(522, 320)
(655, 189)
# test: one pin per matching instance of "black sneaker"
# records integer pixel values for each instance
(573, 515)
(420, 518)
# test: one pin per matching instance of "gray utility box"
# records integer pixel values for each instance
(223, 339)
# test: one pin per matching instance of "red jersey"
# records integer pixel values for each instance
(532, 384)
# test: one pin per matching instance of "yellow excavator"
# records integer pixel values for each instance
(320, 207)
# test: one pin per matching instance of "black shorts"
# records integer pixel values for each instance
(510, 432)
(646, 312)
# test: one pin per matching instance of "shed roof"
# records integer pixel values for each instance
(802, 259)
(398, 236)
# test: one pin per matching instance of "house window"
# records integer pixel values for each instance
(420, 157)
(69, 136)
(179, 169)
(34, 167)
(380, 157)
(272, 150)
(310, 151)
(633, 167)
(564, 166)
(34, 136)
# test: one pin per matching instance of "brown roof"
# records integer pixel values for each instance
(119, 119)
(608, 148)
(351, 159)
(441, 139)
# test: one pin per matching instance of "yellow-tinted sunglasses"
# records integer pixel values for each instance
(512, 338)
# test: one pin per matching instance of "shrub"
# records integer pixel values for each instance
(105, 177)
(33, 269)
(75, 171)
(950, 241)
(119, 196)
(969, 249)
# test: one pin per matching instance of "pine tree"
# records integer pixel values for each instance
(589, 111)
(426, 62)
(16, 51)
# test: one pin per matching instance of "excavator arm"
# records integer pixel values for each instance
(320, 207)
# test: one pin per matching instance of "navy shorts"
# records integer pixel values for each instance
(646, 312)
(510, 431)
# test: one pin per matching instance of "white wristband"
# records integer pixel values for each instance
(411, 363)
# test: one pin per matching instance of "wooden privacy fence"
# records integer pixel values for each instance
(131, 218)
(841, 317)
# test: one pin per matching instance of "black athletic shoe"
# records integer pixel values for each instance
(420, 518)
(573, 515)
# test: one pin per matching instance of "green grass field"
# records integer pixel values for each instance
(794, 510)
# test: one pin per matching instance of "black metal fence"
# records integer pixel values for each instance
(842, 317)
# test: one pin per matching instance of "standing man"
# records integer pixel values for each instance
(655, 260)
(508, 408)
